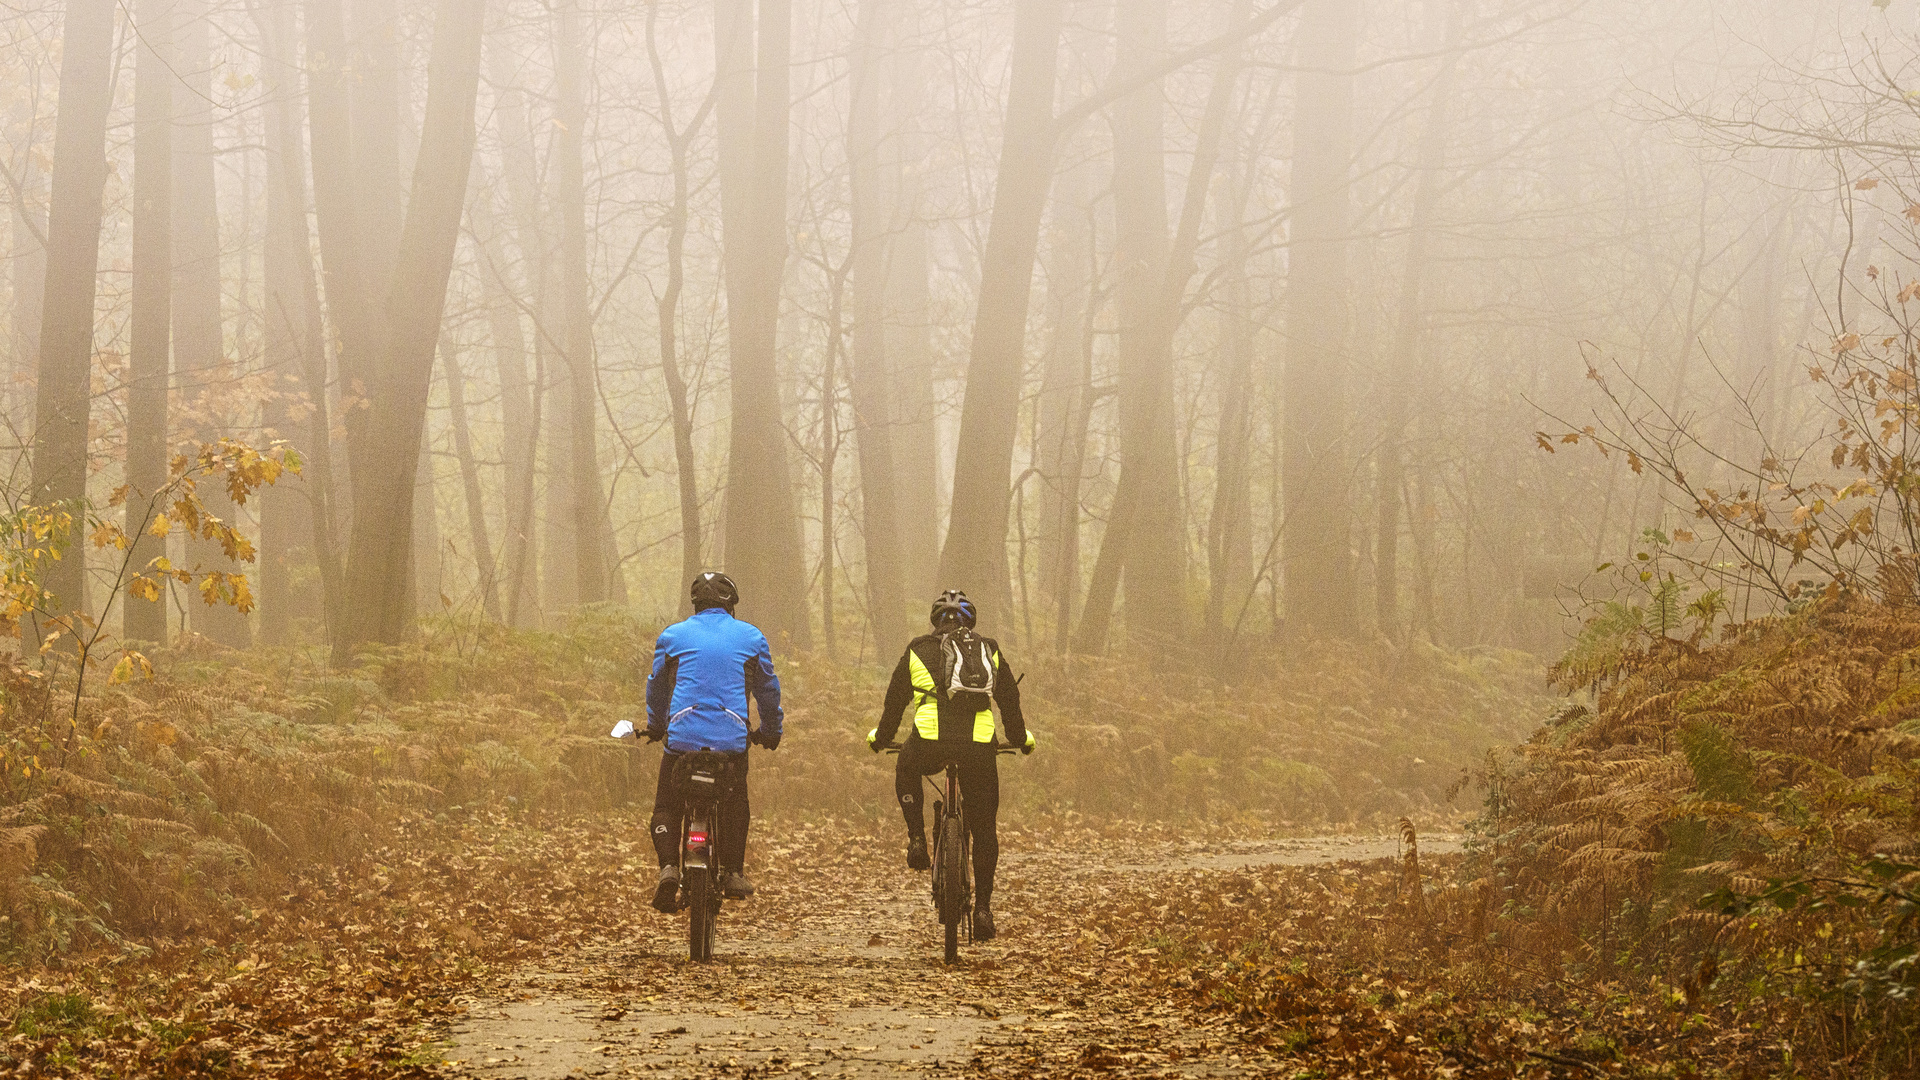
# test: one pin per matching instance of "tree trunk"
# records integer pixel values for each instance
(199, 344)
(1230, 524)
(1062, 390)
(27, 235)
(521, 173)
(516, 411)
(63, 396)
(918, 499)
(1401, 370)
(425, 577)
(296, 355)
(873, 410)
(389, 449)
(763, 534)
(583, 459)
(470, 484)
(916, 447)
(1319, 565)
(376, 117)
(686, 464)
(975, 555)
(352, 294)
(1154, 571)
(150, 345)
(1150, 544)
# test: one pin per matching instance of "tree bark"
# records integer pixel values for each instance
(763, 534)
(388, 453)
(873, 411)
(62, 399)
(199, 344)
(1319, 581)
(150, 345)
(588, 494)
(1401, 370)
(974, 557)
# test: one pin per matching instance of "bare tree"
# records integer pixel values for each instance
(1316, 454)
(149, 362)
(763, 551)
(63, 397)
(389, 441)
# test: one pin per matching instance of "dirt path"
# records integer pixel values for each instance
(834, 970)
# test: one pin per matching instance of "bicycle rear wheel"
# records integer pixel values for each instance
(953, 882)
(700, 915)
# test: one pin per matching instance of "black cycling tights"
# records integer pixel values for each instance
(669, 803)
(979, 797)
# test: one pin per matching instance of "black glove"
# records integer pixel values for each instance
(655, 734)
(769, 740)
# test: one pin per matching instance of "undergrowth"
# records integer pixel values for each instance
(179, 800)
(1713, 869)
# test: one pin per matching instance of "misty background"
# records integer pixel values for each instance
(1187, 324)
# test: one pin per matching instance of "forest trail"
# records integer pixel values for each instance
(834, 970)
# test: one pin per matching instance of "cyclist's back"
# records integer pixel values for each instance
(953, 727)
(705, 670)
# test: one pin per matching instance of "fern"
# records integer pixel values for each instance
(1602, 645)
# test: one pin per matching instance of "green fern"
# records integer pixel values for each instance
(1603, 643)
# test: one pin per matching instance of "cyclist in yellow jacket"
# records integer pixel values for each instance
(956, 726)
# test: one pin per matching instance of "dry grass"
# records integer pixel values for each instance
(178, 800)
(1714, 870)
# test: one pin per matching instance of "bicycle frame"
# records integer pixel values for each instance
(707, 774)
(952, 854)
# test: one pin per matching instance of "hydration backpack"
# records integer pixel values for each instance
(969, 665)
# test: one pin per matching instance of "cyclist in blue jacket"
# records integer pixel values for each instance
(705, 669)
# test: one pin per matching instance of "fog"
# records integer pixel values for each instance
(1179, 324)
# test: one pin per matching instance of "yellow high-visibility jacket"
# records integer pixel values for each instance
(917, 690)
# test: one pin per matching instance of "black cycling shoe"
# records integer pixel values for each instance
(666, 895)
(735, 886)
(917, 854)
(983, 923)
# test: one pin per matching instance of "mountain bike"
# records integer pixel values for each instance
(704, 775)
(952, 855)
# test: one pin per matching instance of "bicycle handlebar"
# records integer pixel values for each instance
(998, 747)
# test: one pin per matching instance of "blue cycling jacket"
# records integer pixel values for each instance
(704, 670)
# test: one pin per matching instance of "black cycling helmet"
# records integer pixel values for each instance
(952, 606)
(712, 589)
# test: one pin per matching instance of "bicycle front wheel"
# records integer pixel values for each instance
(700, 915)
(953, 882)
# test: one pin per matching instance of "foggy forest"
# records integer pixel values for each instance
(1437, 482)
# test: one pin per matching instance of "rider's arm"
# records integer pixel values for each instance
(899, 694)
(764, 685)
(666, 671)
(1006, 694)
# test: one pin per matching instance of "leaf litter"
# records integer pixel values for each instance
(522, 945)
